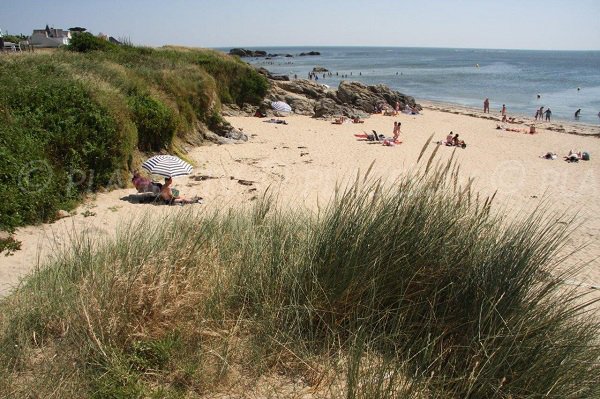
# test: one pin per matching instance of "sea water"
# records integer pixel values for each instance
(564, 80)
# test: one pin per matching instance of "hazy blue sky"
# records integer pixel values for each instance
(514, 24)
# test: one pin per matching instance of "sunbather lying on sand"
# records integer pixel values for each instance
(410, 110)
(575, 156)
(377, 137)
(512, 129)
(278, 121)
(549, 155)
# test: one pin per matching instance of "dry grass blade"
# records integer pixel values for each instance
(425, 147)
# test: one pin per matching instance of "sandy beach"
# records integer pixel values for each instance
(304, 160)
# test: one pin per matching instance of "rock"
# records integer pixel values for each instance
(309, 53)
(215, 138)
(326, 107)
(279, 55)
(366, 98)
(303, 87)
(391, 96)
(60, 214)
(236, 134)
(235, 110)
(320, 69)
(272, 76)
(247, 53)
(358, 95)
(280, 77)
(231, 110)
(300, 104)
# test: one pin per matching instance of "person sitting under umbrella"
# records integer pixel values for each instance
(145, 185)
(171, 196)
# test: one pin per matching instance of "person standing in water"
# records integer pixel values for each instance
(548, 114)
(486, 106)
(577, 113)
(503, 109)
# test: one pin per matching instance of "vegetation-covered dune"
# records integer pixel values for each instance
(73, 121)
(416, 291)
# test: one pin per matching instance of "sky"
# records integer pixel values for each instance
(505, 24)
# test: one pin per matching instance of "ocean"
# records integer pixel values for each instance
(565, 80)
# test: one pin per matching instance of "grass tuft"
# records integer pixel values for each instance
(414, 289)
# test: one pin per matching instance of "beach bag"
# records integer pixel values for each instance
(585, 156)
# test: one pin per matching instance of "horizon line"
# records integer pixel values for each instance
(395, 46)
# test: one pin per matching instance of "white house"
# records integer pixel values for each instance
(49, 37)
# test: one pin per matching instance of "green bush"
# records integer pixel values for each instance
(84, 42)
(70, 121)
(156, 124)
(56, 144)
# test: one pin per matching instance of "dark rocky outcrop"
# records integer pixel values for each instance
(272, 76)
(327, 107)
(320, 69)
(247, 53)
(392, 96)
(309, 53)
(367, 98)
(304, 87)
(278, 55)
(307, 97)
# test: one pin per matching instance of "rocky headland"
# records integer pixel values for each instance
(307, 97)
(242, 52)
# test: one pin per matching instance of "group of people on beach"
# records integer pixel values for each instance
(453, 140)
(540, 114)
(343, 119)
(165, 192)
(572, 156)
(387, 111)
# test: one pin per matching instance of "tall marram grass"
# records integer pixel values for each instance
(410, 290)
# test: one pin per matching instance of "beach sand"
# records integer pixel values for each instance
(303, 161)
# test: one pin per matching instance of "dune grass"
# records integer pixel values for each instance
(410, 290)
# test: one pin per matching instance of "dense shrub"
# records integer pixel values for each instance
(56, 143)
(84, 41)
(70, 121)
(155, 123)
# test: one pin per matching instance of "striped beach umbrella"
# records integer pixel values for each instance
(280, 106)
(167, 166)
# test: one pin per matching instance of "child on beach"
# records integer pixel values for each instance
(397, 130)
